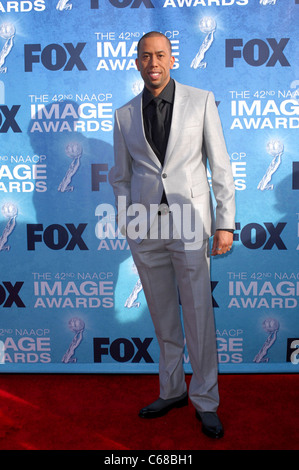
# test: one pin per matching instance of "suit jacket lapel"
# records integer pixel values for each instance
(180, 105)
(179, 110)
(137, 123)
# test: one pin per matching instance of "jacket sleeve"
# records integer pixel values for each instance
(122, 171)
(222, 177)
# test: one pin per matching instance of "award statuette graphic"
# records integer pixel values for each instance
(77, 326)
(73, 151)
(132, 299)
(62, 5)
(207, 25)
(10, 212)
(7, 32)
(137, 87)
(271, 326)
(274, 148)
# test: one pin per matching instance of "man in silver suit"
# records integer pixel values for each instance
(163, 139)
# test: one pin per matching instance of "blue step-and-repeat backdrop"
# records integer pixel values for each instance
(70, 297)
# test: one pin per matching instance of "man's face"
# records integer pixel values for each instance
(154, 62)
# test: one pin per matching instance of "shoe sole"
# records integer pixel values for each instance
(212, 434)
(207, 432)
(164, 411)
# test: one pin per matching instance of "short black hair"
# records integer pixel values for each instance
(152, 34)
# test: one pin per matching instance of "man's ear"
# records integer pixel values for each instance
(137, 64)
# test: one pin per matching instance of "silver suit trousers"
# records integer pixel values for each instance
(172, 272)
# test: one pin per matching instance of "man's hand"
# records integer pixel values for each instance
(222, 242)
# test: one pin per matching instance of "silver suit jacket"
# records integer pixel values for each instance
(195, 138)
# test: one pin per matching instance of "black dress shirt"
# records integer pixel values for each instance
(148, 109)
(166, 107)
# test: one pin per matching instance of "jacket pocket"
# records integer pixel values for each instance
(200, 188)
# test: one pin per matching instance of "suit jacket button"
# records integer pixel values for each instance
(164, 175)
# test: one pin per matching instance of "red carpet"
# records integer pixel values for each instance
(100, 412)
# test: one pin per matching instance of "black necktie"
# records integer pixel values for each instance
(158, 131)
(158, 134)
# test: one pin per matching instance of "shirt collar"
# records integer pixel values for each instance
(167, 94)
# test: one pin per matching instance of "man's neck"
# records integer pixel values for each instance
(157, 91)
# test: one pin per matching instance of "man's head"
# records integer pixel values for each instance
(154, 61)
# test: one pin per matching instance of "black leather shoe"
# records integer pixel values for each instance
(161, 407)
(211, 424)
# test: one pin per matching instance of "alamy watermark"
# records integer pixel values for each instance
(136, 221)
